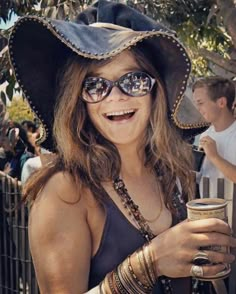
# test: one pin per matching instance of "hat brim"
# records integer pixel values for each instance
(39, 47)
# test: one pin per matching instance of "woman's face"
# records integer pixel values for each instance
(120, 118)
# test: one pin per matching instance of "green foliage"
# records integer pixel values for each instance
(19, 110)
(60, 9)
(176, 12)
(211, 37)
(20, 7)
(198, 25)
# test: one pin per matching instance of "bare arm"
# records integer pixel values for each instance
(60, 240)
(227, 168)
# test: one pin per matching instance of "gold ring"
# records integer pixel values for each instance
(196, 271)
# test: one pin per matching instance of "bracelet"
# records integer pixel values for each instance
(144, 269)
(124, 279)
(141, 286)
(100, 291)
(149, 264)
(110, 283)
(120, 287)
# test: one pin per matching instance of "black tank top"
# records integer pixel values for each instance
(119, 239)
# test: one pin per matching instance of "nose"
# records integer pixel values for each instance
(196, 105)
(116, 95)
(199, 108)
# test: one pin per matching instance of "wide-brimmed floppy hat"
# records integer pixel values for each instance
(39, 47)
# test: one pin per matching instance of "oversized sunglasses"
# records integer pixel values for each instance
(134, 84)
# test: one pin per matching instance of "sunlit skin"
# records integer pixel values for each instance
(127, 131)
(209, 109)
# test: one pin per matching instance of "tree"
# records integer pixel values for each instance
(8, 7)
(19, 110)
(206, 27)
(60, 9)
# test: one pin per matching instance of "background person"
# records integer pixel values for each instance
(104, 213)
(33, 134)
(18, 150)
(234, 109)
(214, 97)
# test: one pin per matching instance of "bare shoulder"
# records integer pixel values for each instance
(58, 219)
(59, 196)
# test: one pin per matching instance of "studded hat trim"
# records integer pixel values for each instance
(141, 35)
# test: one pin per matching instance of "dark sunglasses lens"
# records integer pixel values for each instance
(136, 84)
(95, 89)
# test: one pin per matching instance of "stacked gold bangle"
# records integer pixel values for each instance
(127, 279)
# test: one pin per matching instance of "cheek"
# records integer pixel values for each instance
(92, 111)
(149, 104)
(95, 118)
(201, 109)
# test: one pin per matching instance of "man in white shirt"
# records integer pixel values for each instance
(214, 98)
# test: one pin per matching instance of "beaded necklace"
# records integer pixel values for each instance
(178, 203)
(133, 209)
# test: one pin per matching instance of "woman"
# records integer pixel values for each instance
(105, 212)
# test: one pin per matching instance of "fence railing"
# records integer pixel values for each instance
(16, 267)
(232, 219)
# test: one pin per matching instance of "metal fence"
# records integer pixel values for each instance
(16, 267)
(232, 207)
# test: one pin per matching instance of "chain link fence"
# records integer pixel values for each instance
(16, 268)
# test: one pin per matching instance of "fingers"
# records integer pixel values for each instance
(209, 270)
(213, 239)
(206, 139)
(207, 142)
(208, 232)
(212, 270)
(210, 225)
(217, 257)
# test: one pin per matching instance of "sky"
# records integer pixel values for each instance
(14, 17)
(4, 25)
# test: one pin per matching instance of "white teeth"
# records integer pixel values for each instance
(116, 113)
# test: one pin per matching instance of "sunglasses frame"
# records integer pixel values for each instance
(116, 83)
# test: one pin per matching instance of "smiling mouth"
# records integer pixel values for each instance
(120, 115)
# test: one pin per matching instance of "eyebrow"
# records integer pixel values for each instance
(198, 100)
(125, 70)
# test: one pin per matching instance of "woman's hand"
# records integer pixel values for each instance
(174, 249)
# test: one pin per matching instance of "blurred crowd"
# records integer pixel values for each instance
(19, 152)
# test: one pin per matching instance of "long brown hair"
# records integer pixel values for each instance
(82, 150)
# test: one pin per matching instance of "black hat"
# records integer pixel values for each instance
(39, 47)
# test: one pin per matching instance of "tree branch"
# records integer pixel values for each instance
(227, 64)
(228, 13)
(3, 51)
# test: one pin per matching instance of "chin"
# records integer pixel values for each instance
(120, 142)
(120, 139)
